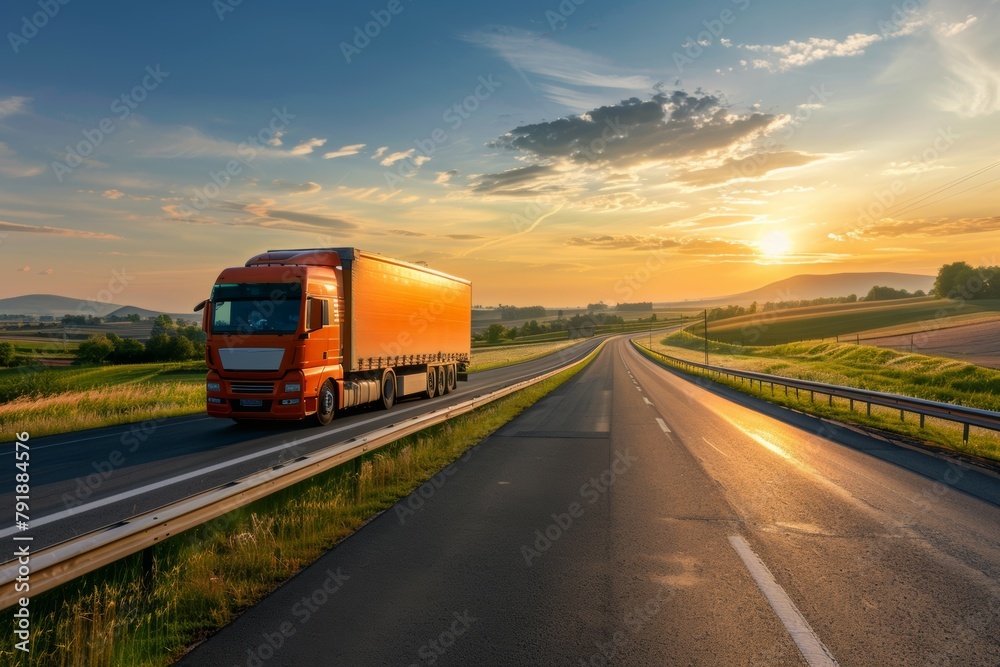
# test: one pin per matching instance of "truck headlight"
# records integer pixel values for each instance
(213, 386)
(293, 387)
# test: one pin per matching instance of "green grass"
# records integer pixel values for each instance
(45, 401)
(205, 577)
(486, 358)
(862, 367)
(820, 322)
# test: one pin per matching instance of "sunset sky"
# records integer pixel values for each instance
(553, 153)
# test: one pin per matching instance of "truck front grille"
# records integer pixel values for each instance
(252, 387)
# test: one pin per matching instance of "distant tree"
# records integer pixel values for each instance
(559, 314)
(752, 310)
(127, 350)
(494, 333)
(7, 353)
(158, 347)
(882, 293)
(851, 298)
(595, 307)
(511, 333)
(163, 325)
(94, 350)
(134, 317)
(953, 279)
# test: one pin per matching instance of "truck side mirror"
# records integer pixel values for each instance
(315, 314)
(203, 308)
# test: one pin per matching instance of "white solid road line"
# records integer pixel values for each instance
(663, 425)
(714, 447)
(124, 495)
(813, 650)
(648, 402)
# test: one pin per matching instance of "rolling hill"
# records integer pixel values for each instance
(56, 306)
(809, 286)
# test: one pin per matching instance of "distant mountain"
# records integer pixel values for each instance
(802, 287)
(56, 306)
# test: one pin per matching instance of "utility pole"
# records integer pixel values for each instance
(706, 336)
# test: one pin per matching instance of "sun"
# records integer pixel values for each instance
(774, 244)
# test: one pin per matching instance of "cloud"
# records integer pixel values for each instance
(952, 29)
(46, 272)
(13, 105)
(561, 65)
(112, 194)
(10, 165)
(620, 201)
(56, 231)
(307, 188)
(751, 167)
(24, 269)
(393, 158)
(972, 82)
(379, 152)
(464, 237)
(344, 151)
(939, 228)
(445, 176)
(307, 147)
(276, 139)
(623, 242)
(302, 221)
(405, 232)
(792, 54)
(520, 181)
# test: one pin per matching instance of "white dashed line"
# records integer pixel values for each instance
(648, 402)
(663, 425)
(813, 650)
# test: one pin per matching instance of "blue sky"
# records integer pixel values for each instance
(551, 152)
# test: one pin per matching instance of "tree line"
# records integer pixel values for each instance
(168, 341)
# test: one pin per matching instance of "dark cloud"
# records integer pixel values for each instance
(521, 180)
(669, 126)
(464, 237)
(405, 232)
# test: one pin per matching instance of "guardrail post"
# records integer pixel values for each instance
(831, 400)
(869, 409)
(852, 405)
(902, 416)
(965, 434)
(921, 420)
(812, 396)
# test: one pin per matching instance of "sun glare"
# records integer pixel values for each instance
(774, 244)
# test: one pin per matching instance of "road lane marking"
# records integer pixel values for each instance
(714, 447)
(648, 402)
(663, 425)
(812, 649)
(638, 387)
(124, 495)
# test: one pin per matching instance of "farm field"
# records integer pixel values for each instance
(977, 343)
(821, 322)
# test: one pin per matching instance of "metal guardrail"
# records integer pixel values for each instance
(68, 560)
(919, 406)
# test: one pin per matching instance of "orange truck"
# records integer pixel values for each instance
(306, 333)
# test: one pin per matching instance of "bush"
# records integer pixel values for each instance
(7, 353)
(94, 350)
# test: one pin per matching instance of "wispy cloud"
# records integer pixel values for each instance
(307, 147)
(344, 151)
(792, 54)
(13, 105)
(11, 165)
(56, 231)
(393, 158)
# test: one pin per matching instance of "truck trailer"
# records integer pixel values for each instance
(305, 333)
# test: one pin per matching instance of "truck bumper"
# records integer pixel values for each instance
(259, 400)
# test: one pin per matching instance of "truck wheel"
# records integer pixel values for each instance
(432, 383)
(449, 379)
(388, 389)
(326, 403)
(441, 389)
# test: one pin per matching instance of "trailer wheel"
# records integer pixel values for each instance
(449, 379)
(388, 389)
(431, 383)
(441, 388)
(326, 403)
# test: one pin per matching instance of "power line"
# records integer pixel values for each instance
(938, 190)
(955, 194)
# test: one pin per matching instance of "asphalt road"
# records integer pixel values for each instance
(634, 517)
(86, 480)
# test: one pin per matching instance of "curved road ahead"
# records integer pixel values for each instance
(633, 517)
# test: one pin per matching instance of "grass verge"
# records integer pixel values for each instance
(861, 367)
(484, 359)
(205, 577)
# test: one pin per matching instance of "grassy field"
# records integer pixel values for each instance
(820, 322)
(877, 369)
(205, 577)
(58, 400)
(504, 355)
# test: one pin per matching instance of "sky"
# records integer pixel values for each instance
(555, 153)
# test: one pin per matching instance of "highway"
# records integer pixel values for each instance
(86, 480)
(634, 517)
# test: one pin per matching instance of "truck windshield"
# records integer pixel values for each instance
(256, 308)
